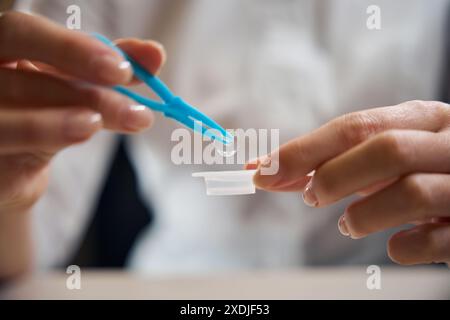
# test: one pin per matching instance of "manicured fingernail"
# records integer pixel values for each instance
(262, 180)
(112, 69)
(82, 125)
(342, 226)
(309, 197)
(252, 164)
(137, 117)
(265, 162)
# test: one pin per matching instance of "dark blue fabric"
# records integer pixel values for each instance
(119, 217)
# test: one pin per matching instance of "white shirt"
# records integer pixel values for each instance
(291, 65)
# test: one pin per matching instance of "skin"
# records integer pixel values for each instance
(54, 94)
(396, 158)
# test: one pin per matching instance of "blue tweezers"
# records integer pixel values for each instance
(172, 106)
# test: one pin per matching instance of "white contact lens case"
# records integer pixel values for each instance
(225, 183)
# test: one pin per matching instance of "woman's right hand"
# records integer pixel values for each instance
(53, 93)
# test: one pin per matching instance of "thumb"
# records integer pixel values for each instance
(149, 54)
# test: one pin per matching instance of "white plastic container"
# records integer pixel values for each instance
(225, 183)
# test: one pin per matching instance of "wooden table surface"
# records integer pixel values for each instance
(317, 283)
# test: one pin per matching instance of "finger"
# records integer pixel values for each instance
(30, 88)
(252, 164)
(46, 130)
(291, 186)
(388, 155)
(376, 187)
(149, 54)
(414, 197)
(427, 243)
(25, 89)
(430, 220)
(50, 70)
(27, 176)
(295, 186)
(8, 65)
(26, 65)
(24, 36)
(306, 153)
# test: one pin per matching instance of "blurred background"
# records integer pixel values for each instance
(119, 202)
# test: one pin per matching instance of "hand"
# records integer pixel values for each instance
(53, 94)
(397, 158)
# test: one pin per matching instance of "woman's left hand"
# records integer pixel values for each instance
(397, 158)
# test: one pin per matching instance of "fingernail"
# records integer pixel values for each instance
(137, 117)
(250, 166)
(309, 197)
(112, 69)
(253, 163)
(262, 180)
(82, 125)
(342, 226)
(265, 161)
